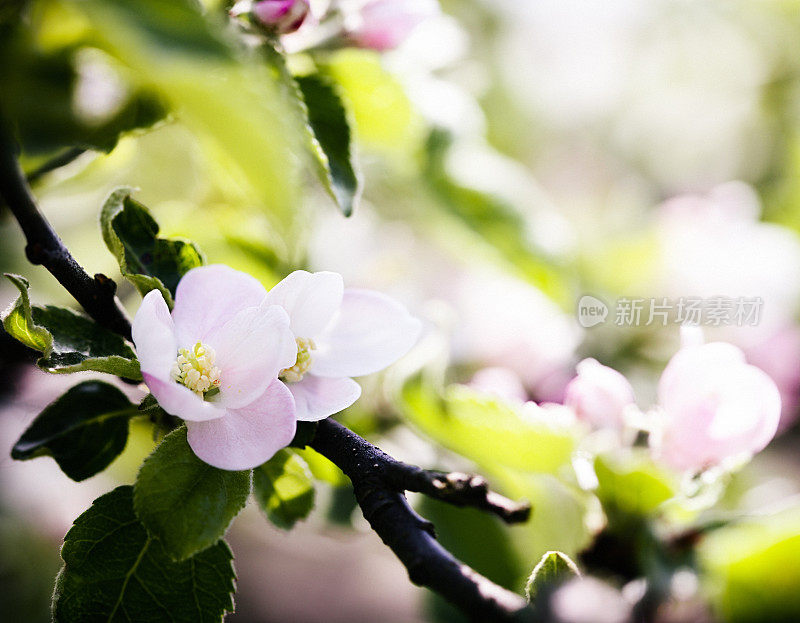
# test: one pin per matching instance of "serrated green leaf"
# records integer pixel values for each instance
(554, 567)
(327, 118)
(84, 430)
(147, 261)
(115, 571)
(68, 341)
(487, 430)
(320, 115)
(18, 319)
(186, 503)
(284, 488)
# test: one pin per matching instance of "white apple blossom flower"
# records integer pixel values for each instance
(716, 407)
(214, 362)
(340, 333)
(599, 394)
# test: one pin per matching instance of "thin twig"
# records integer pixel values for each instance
(407, 534)
(455, 488)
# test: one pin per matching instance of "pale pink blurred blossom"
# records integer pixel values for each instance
(599, 394)
(214, 362)
(384, 24)
(779, 356)
(716, 406)
(715, 245)
(500, 382)
(504, 321)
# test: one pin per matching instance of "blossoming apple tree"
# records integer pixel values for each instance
(242, 384)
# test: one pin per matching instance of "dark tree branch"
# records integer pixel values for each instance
(379, 481)
(96, 295)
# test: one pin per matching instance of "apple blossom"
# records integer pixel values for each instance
(716, 406)
(280, 16)
(384, 24)
(339, 333)
(214, 362)
(599, 394)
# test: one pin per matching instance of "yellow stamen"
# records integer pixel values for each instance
(194, 368)
(303, 362)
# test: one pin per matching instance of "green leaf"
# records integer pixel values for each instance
(321, 118)
(323, 469)
(217, 89)
(68, 341)
(631, 486)
(478, 539)
(554, 567)
(284, 488)
(186, 503)
(18, 319)
(39, 93)
(147, 261)
(386, 120)
(753, 568)
(487, 430)
(84, 430)
(327, 118)
(114, 571)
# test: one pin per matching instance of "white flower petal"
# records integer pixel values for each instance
(154, 335)
(182, 402)
(371, 332)
(208, 296)
(251, 348)
(310, 299)
(247, 437)
(316, 398)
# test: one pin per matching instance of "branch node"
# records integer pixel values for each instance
(35, 253)
(106, 284)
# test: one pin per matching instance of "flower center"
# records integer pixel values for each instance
(303, 362)
(195, 369)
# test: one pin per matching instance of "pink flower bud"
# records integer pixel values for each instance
(599, 394)
(385, 24)
(716, 407)
(284, 16)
